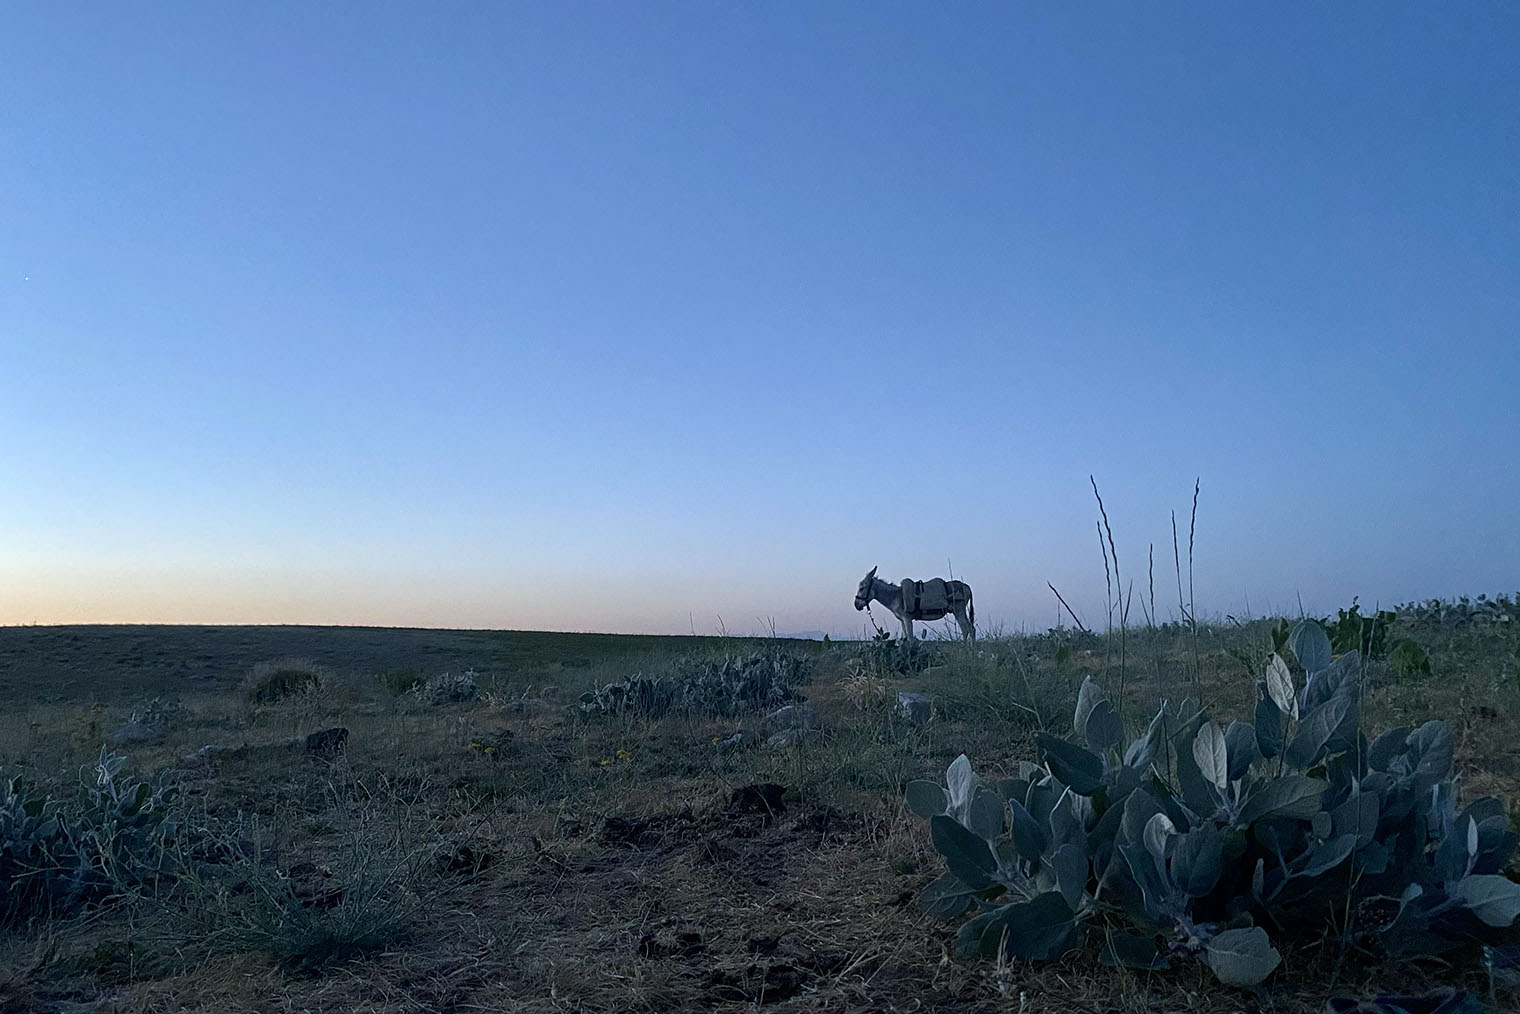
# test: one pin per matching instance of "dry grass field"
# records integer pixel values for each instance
(511, 852)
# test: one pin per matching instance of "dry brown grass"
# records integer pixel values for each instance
(616, 871)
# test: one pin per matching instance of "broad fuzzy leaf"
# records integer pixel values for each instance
(1325, 685)
(1198, 861)
(1071, 869)
(1087, 699)
(1162, 903)
(1280, 686)
(1104, 730)
(1295, 796)
(1066, 827)
(1328, 855)
(967, 856)
(962, 782)
(1197, 793)
(1074, 766)
(985, 815)
(1143, 750)
(1157, 830)
(1139, 807)
(1432, 747)
(1323, 729)
(1491, 897)
(1240, 741)
(1028, 836)
(1357, 816)
(1310, 645)
(926, 799)
(1269, 728)
(1043, 928)
(947, 897)
(1212, 756)
(1242, 957)
(1386, 748)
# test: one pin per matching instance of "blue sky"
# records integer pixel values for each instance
(630, 316)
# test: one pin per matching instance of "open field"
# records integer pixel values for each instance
(511, 852)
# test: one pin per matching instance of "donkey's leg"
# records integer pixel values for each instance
(968, 631)
(907, 622)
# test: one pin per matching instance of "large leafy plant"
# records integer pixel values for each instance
(1210, 841)
(1351, 631)
(58, 853)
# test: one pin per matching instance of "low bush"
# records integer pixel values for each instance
(398, 681)
(60, 854)
(724, 688)
(867, 692)
(1213, 840)
(1409, 659)
(1351, 631)
(885, 655)
(271, 682)
(449, 688)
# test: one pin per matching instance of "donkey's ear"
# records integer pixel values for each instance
(872, 573)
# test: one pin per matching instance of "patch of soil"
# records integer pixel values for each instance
(763, 798)
(645, 832)
(756, 983)
(671, 941)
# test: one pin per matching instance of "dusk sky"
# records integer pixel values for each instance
(631, 316)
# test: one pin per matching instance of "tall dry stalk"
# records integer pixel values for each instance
(1192, 604)
(1150, 619)
(1103, 528)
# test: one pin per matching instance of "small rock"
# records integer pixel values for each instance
(763, 797)
(794, 716)
(206, 753)
(729, 742)
(136, 731)
(789, 737)
(327, 743)
(916, 708)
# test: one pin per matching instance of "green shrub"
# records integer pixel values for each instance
(271, 682)
(1351, 631)
(398, 681)
(1201, 837)
(1409, 659)
(60, 854)
(449, 688)
(885, 655)
(734, 685)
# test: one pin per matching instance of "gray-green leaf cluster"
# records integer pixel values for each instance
(724, 687)
(58, 854)
(1207, 841)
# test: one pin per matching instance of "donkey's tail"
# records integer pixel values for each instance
(971, 611)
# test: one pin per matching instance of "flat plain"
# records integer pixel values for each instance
(511, 850)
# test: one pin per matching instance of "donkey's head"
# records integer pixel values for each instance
(863, 593)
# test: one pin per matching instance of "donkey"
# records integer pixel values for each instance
(921, 600)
